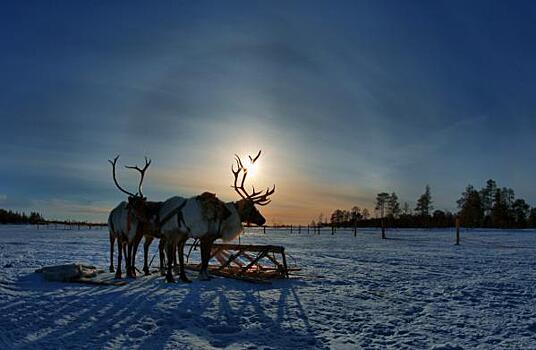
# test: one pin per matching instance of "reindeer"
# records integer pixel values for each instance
(125, 223)
(183, 217)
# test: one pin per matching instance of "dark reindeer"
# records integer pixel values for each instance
(126, 221)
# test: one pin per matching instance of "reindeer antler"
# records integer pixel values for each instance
(256, 197)
(142, 172)
(115, 180)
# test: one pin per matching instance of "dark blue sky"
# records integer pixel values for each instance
(347, 99)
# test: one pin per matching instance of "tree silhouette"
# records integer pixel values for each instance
(424, 203)
(471, 210)
(393, 207)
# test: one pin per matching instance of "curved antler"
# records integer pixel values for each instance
(142, 171)
(115, 179)
(259, 198)
(263, 199)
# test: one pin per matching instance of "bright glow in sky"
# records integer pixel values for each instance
(345, 99)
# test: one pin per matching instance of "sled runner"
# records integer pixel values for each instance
(252, 263)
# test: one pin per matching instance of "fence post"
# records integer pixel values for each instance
(299, 228)
(307, 229)
(355, 229)
(264, 229)
(290, 229)
(383, 230)
(457, 231)
(332, 230)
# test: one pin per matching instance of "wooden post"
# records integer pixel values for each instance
(299, 228)
(457, 231)
(355, 229)
(307, 229)
(332, 230)
(383, 230)
(290, 229)
(264, 229)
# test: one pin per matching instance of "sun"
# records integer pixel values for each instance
(251, 168)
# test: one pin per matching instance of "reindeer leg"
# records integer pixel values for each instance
(205, 256)
(119, 257)
(146, 244)
(124, 247)
(183, 276)
(175, 255)
(129, 259)
(209, 252)
(112, 244)
(135, 246)
(162, 256)
(169, 276)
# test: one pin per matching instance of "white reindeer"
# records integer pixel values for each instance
(126, 222)
(183, 217)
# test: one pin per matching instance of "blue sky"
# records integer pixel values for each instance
(346, 99)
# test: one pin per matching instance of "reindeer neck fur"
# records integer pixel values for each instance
(232, 226)
(118, 220)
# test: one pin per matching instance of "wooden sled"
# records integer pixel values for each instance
(251, 263)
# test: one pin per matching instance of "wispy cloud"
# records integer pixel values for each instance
(342, 106)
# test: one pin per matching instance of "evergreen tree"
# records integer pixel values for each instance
(501, 212)
(337, 217)
(471, 210)
(424, 203)
(11, 217)
(439, 219)
(405, 209)
(532, 217)
(520, 210)
(487, 196)
(381, 203)
(393, 207)
(356, 215)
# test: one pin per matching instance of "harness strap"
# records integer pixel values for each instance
(180, 217)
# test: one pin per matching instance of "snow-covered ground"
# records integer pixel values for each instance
(414, 290)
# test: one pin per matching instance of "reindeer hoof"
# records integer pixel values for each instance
(118, 274)
(203, 278)
(170, 280)
(112, 269)
(147, 273)
(185, 279)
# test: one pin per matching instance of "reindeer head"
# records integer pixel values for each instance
(137, 203)
(246, 206)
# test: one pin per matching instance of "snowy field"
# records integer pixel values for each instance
(415, 290)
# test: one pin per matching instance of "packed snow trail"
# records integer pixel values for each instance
(414, 290)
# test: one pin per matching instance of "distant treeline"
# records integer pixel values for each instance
(12, 217)
(490, 207)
